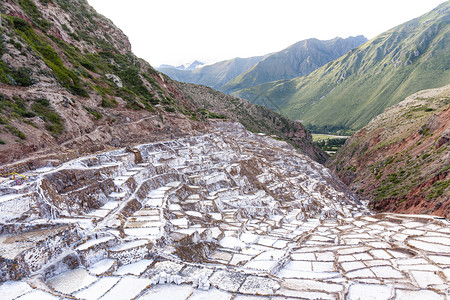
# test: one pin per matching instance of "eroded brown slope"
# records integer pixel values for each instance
(401, 160)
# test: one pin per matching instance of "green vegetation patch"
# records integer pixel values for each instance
(34, 14)
(330, 144)
(2, 42)
(438, 188)
(16, 132)
(124, 66)
(53, 121)
(131, 80)
(321, 137)
(93, 112)
(211, 115)
(127, 67)
(330, 130)
(106, 102)
(41, 45)
(128, 70)
(394, 185)
(90, 61)
(13, 108)
(9, 75)
(424, 130)
(169, 108)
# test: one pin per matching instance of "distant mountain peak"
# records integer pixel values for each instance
(194, 65)
(184, 67)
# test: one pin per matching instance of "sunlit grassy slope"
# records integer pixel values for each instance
(348, 92)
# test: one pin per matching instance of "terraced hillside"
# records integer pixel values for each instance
(350, 91)
(228, 215)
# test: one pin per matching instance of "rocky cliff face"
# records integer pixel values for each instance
(70, 85)
(400, 160)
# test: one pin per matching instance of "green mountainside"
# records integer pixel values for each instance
(297, 60)
(348, 92)
(215, 75)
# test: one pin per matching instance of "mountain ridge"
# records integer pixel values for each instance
(214, 75)
(188, 66)
(296, 60)
(348, 92)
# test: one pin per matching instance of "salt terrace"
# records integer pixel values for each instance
(227, 215)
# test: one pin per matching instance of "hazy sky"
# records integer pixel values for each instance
(179, 31)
